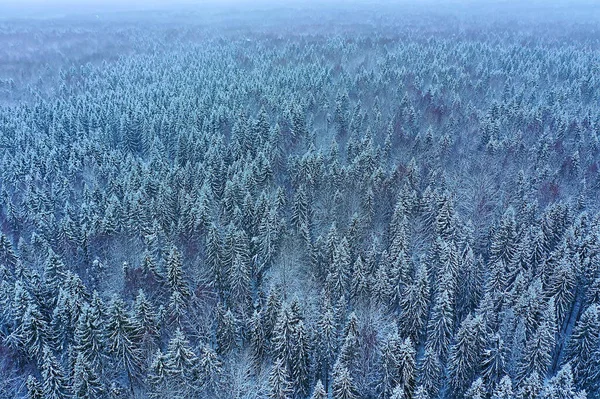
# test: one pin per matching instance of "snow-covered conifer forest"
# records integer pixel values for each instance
(301, 201)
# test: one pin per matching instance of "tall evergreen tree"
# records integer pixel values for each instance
(561, 386)
(439, 328)
(279, 381)
(181, 365)
(210, 369)
(343, 384)
(538, 351)
(319, 391)
(582, 344)
(86, 383)
(414, 304)
(122, 340)
(34, 388)
(175, 276)
(54, 385)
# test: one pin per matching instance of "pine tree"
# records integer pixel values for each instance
(582, 344)
(122, 339)
(319, 391)
(34, 331)
(279, 381)
(181, 363)
(414, 304)
(86, 384)
(465, 354)
(226, 330)
(504, 389)
(54, 384)
(343, 384)
(430, 372)
(538, 351)
(175, 276)
(494, 360)
(439, 328)
(561, 386)
(34, 388)
(210, 369)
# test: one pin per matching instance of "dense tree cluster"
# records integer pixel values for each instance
(396, 214)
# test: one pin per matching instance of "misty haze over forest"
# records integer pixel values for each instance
(299, 200)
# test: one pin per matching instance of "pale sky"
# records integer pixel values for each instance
(10, 8)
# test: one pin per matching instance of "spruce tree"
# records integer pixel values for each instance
(494, 360)
(319, 391)
(343, 384)
(280, 386)
(34, 332)
(86, 383)
(210, 370)
(34, 388)
(439, 328)
(414, 304)
(257, 334)
(504, 389)
(530, 387)
(538, 351)
(54, 385)
(561, 386)
(582, 344)
(430, 372)
(214, 260)
(465, 354)
(504, 243)
(226, 330)
(157, 376)
(477, 390)
(181, 364)
(175, 276)
(122, 340)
